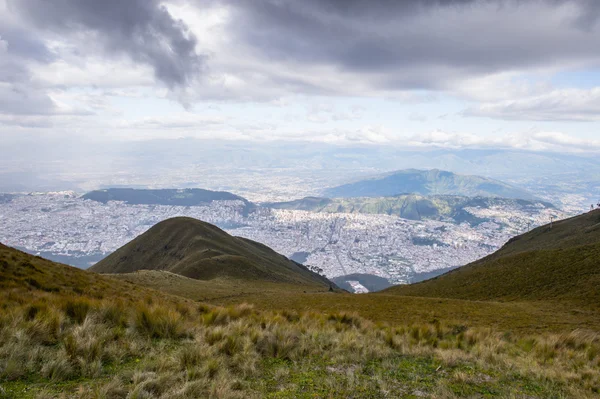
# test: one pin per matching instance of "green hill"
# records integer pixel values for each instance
(427, 182)
(558, 262)
(181, 197)
(19, 270)
(199, 250)
(410, 206)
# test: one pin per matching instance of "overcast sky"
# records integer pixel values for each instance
(448, 73)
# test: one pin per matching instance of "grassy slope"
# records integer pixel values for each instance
(19, 270)
(74, 334)
(561, 263)
(525, 317)
(213, 290)
(202, 251)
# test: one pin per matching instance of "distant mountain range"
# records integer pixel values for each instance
(558, 261)
(427, 182)
(411, 206)
(180, 197)
(199, 250)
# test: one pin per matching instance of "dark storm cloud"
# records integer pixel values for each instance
(417, 44)
(140, 29)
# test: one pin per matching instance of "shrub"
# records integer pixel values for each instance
(58, 369)
(113, 314)
(158, 322)
(77, 310)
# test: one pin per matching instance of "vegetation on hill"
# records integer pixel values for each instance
(410, 206)
(75, 334)
(428, 182)
(558, 262)
(199, 250)
(182, 197)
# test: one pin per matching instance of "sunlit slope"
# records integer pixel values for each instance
(199, 250)
(559, 262)
(20, 271)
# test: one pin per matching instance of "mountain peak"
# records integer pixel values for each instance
(428, 182)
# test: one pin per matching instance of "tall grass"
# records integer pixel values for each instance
(66, 345)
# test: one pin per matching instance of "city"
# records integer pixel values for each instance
(80, 232)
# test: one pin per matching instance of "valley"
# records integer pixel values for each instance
(179, 330)
(80, 232)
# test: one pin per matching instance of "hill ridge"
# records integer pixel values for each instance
(558, 261)
(165, 196)
(200, 250)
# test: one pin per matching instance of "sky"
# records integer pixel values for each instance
(430, 73)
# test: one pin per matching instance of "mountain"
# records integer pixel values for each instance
(427, 182)
(412, 206)
(199, 250)
(181, 197)
(558, 262)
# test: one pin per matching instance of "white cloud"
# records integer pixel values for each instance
(554, 105)
(177, 121)
(536, 141)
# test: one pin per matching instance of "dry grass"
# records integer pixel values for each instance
(69, 339)
(67, 346)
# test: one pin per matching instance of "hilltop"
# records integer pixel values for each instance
(412, 206)
(181, 197)
(199, 250)
(558, 262)
(428, 182)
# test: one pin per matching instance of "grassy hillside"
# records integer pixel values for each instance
(427, 182)
(410, 206)
(75, 334)
(199, 250)
(559, 263)
(181, 197)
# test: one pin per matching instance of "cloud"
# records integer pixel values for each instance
(60, 61)
(185, 121)
(535, 141)
(326, 112)
(554, 105)
(142, 30)
(428, 45)
(18, 95)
